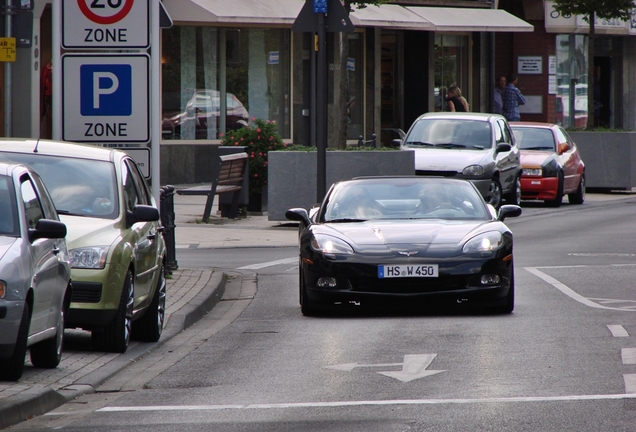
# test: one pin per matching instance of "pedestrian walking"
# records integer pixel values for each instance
(511, 98)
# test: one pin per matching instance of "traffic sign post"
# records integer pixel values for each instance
(105, 24)
(106, 98)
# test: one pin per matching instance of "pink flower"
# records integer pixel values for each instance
(253, 118)
(221, 134)
(267, 121)
(236, 143)
(242, 139)
(255, 174)
(258, 130)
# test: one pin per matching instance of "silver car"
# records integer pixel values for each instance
(35, 275)
(472, 146)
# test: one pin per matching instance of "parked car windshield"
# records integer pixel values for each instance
(450, 133)
(9, 225)
(391, 199)
(534, 138)
(79, 187)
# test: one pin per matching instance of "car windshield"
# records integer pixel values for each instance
(534, 138)
(450, 133)
(9, 225)
(79, 187)
(403, 198)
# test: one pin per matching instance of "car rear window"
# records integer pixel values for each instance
(80, 187)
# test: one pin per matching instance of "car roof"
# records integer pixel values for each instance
(460, 116)
(533, 124)
(58, 148)
(7, 169)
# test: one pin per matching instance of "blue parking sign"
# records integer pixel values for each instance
(106, 90)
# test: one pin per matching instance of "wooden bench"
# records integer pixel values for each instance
(227, 177)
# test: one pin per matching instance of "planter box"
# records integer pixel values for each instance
(609, 157)
(291, 176)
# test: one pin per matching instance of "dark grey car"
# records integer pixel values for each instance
(472, 146)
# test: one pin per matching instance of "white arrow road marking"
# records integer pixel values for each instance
(630, 383)
(413, 367)
(628, 355)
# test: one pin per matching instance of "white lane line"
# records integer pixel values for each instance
(631, 395)
(269, 264)
(569, 291)
(630, 384)
(628, 355)
(617, 330)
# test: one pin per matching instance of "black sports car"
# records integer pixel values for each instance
(421, 241)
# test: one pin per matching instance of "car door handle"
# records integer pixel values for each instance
(56, 250)
(151, 236)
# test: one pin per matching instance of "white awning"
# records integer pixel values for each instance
(270, 12)
(471, 20)
(389, 16)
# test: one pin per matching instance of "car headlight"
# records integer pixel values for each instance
(473, 171)
(89, 257)
(3, 288)
(485, 242)
(535, 172)
(330, 245)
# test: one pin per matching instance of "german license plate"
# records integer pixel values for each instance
(395, 271)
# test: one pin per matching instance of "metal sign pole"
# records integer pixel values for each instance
(321, 114)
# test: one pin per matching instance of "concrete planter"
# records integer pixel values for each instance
(610, 158)
(292, 174)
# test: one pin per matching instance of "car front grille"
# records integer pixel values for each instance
(86, 292)
(408, 285)
(436, 173)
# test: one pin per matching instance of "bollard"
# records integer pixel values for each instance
(367, 143)
(168, 222)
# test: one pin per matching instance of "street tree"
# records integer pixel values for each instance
(339, 115)
(590, 10)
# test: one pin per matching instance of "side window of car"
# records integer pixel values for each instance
(499, 136)
(32, 206)
(130, 190)
(505, 131)
(45, 199)
(562, 137)
(140, 183)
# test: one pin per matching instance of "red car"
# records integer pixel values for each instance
(550, 162)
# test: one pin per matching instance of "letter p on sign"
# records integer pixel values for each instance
(106, 90)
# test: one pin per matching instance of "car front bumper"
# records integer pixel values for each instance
(539, 188)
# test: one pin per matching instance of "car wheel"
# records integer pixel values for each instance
(305, 304)
(116, 335)
(149, 327)
(48, 353)
(494, 193)
(11, 368)
(556, 202)
(510, 298)
(579, 196)
(514, 197)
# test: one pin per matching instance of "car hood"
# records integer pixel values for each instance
(87, 231)
(5, 244)
(400, 234)
(449, 159)
(534, 158)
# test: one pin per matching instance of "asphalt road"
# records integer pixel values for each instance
(565, 360)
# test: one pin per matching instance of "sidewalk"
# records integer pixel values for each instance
(191, 293)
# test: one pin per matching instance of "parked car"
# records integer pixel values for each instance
(472, 146)
(35, 276)
(413, 241)
(115, 240)
(551, 164)
(202, 111)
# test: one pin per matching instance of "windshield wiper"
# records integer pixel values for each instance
(66, 212)
(345, 220)
(420, 143)
(450, 145)
(538, 148)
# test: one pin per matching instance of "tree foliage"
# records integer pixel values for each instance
(589, 10)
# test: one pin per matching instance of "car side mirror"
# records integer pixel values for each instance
(142, 213)
(395, 143)
(298, 215)
(508, 210)
(47, 228)
(562, 148)
(503, 147)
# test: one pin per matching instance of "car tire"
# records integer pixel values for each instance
(556, 202)
(11, 368)
(48, 353)
(514, 197)
(149, 327)
(510, 298)
(116, 335)
(578, 197)
(305, 304)
(494, 193)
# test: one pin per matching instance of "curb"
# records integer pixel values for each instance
(37, 402)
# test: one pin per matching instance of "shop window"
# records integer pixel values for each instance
(451, 66)
(571, 75)
(216, 79)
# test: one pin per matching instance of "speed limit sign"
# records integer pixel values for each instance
(105, 24)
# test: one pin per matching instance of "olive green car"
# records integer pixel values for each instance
(114, 238)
